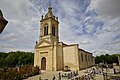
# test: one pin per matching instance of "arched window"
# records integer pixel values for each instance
(86, 57)
(45, 30)
(53, 30)
(82, 57)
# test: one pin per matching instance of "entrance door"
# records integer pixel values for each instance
(43, 63)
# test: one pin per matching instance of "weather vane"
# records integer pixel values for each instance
(50, 3)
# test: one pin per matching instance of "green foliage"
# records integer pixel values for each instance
(18, 58)
(109, 59)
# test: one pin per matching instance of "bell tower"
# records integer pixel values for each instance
(48, 52)
(49, 27)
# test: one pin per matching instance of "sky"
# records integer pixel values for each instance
(93, 24)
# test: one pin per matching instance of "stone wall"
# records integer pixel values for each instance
(85, 59)
(44, 52)
(70, 54)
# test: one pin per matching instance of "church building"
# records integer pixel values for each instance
(52, 55)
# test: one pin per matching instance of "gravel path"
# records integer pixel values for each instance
(49, 75)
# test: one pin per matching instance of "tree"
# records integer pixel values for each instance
(109, 59)
(12, 59)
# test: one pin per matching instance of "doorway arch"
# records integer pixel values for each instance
(43, 63)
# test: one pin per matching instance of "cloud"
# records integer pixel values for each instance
(107, 8)
(10, 37)
(22, 24)
(90, 23)
(101, 52)
(10, 48)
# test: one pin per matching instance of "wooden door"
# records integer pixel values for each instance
(43, 63)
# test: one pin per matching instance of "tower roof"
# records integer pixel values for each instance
(49, 14)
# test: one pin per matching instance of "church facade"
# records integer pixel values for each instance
(52, 55)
